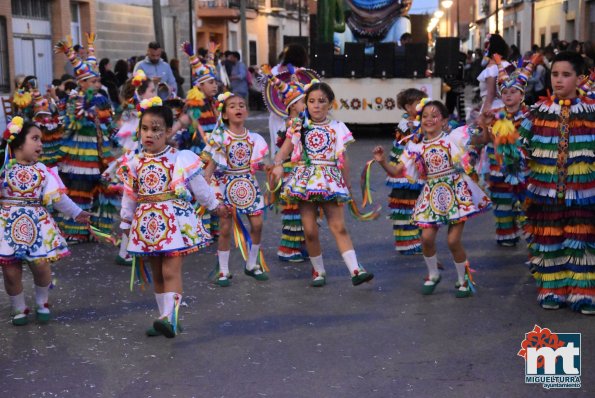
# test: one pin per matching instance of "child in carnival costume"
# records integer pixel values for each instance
(449, 196)
(136, 89)
(320, 179)
(201, 111)
(559, 135)
(292, 245)
(507, 164)
(404, 193)
(237, 153)
(28, 189)
(86, 147)
(157, 214)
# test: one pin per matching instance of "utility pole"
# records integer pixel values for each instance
(191, 22)
(157, 24)
(300, 17)
(244, 30)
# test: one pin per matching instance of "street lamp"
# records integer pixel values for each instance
(446, 3)
(439, 13)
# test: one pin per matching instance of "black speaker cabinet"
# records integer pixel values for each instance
(447, 56)
(416, 60)
(354, 60)
(338, 65)
(384, 60)
(322, 59)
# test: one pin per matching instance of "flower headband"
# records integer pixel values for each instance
(312, 82)
(13, 128)
(150, 103)
(222, 98)
(139, 78)
(420, 106)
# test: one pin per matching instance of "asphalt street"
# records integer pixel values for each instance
(282, 338)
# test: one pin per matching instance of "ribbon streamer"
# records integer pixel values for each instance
(174, 316)
(469, 277)
(358, 215)
(365, 183)
(241, 235)
(103, 236)
(141, 272)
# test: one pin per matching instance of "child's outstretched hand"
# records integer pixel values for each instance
(83, 217)
(379, 155)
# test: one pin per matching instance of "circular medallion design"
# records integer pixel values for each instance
(239, 154)
(153, 178)
(154, 226)
(317, 141)
(23, 178)
(442, 198)
(241, 192)
(437, 160)
(24, 230)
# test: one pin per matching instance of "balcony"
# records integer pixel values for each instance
(289, 6)
(225, 9)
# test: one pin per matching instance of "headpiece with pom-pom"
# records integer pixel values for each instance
(82, 69)
(195, 97)
(200, 72)
(289, 92)
(138, 78)
(150, 103)
(519, 77)
(420, 106)
(12, 130)
(22, 98)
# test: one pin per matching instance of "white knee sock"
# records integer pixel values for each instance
(432, 264)
(252, 257)
(159, 299)
(223, 257)
(18, 302)
(318, 265)
(461, 271)
(351, 261)
(169, 301)
(41, 298)
(123, 245)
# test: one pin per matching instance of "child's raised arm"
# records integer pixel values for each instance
(392, 170)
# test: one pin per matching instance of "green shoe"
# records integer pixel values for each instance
(318, 280)
(429, 289)
(164, 327)
(20, 318)
(361, 276)
(42, 317)
(550, 304)
(259, 277)
(224, 280)
(152, 332)
(463, 290)
(123, 261)
(588, 309)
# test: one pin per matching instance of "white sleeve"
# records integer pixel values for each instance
(202, 192)
(127, 211)
(67, 207)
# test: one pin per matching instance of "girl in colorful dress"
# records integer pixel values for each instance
(449, 196)
(320, 179)
(237, 153)
(559, 134)
(157, 215)
(86, 147)
(292, 244)
(30, 234)
(135, 90)
(507, 180)
(404, 193)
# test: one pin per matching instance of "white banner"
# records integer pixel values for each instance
(374, 101)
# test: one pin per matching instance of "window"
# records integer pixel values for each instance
(252, 52)
(75, 25)
(4, 72)
(35, 9)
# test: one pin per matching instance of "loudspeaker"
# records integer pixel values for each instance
(416, 60)
(447, 56)
(354, 60)
(338, 65)
(384, 59)
(322, 59)
(399, 61)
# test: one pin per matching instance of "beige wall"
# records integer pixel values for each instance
(5, 11)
